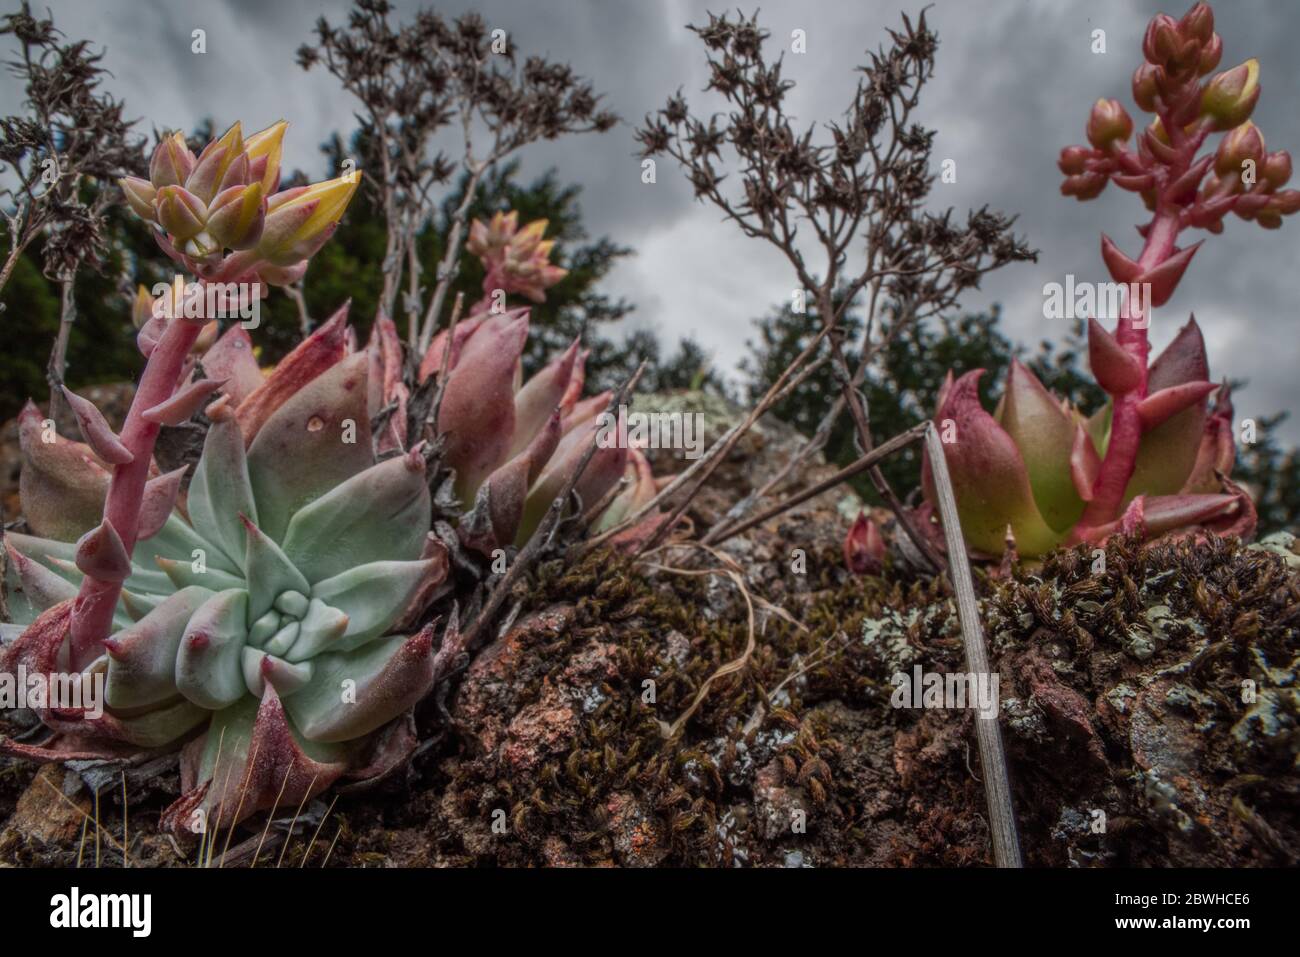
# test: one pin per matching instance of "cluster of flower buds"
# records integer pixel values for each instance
(517, 261)
(1163, 168)
(219, 214)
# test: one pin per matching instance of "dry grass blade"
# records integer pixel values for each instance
(331, 848)
(988, 732)
(736, 574)
(243, 792)
(85, 820)
(296, 814)
(126, 843)
(723, 447)
(271, 814)
(312, 843)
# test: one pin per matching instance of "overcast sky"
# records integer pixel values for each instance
(1014, 83)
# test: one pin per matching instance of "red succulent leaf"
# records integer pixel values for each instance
(253, 769)
(62, 483)
(864, 548)
(1164, 278)
(1084, 463)
(1122, 269)
(231, 360)
(1160, 406)
(1115, 370)
(321, 350)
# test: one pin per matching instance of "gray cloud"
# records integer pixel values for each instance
(1014, 84)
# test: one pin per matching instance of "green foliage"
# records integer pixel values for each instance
(901, 390)
(1273, 476)
(102, 345)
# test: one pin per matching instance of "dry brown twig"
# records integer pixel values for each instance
(417, 77)
(61, 158)
(720, 533)
(714, 455)
(868, 185)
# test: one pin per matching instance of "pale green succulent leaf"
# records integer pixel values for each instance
(184, 573)
(178, 540)
(209, 669)
(1044, 433)
(321, 627)
(269, 572)
(382, 513)
(142, 656)
(372, 596)
(353, 693)
(221, 492)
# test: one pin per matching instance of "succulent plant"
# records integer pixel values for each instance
(514, 444)
(253, 615)
(1155, 460)
(265, 615)
(263, 611)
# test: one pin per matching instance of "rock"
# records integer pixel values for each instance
(52, 809)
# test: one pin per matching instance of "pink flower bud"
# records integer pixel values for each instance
(864, 548)
(172, 162)
(1198, 23)
(1083, 187)
(1276, 168)
(1108, 123)
(1145, 88)
(1242, 143)
(180, 213)
(1074, 160)
(237, 216)
(213, 163)
(1211, 54)
(1286, 203)
(299, 221)
(1230, 97)
(1161, 42)
(140, 195)
(264, 150)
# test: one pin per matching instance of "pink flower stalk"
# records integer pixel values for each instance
(1172, 180)
(1036, 471)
